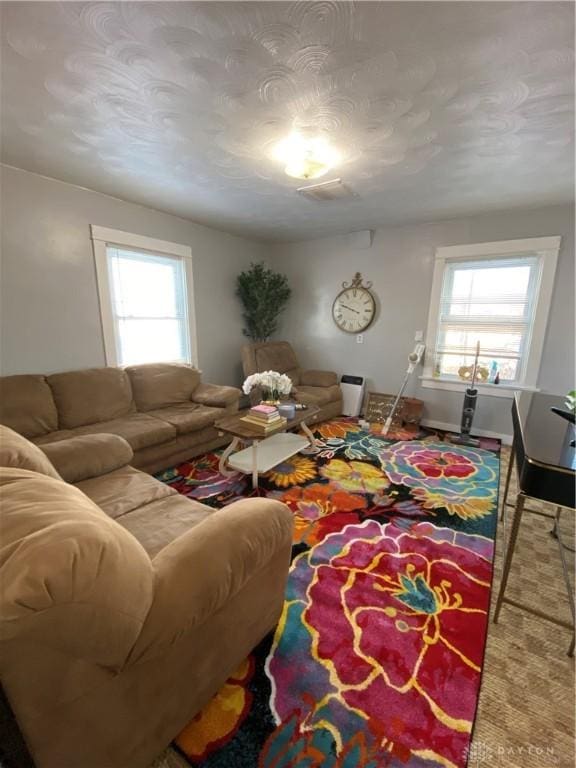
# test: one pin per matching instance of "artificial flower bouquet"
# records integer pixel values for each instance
(272, 384)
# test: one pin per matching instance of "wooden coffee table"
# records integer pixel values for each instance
(262, 452)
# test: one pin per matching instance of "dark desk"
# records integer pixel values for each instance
(545, 458)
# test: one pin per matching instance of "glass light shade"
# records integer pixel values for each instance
(306, 157)
(306, 168)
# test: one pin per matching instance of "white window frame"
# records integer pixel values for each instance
(546, 248)
(102, 237)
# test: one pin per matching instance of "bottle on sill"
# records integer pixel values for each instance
(493, 372)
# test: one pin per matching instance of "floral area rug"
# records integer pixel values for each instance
(377, 658)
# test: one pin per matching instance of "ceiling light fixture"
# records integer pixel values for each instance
(306, 156)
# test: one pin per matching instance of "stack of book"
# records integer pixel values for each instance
(264, 418)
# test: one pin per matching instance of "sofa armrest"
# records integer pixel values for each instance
(85, 456)
(199, 572)
(315, 378)
(216, 396)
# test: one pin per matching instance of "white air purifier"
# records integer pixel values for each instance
(352, 394)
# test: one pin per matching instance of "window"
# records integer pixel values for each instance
(144, 298)
(497, 294)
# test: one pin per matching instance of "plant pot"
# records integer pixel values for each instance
(270, 397)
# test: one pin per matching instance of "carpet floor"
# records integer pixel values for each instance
(389, 511)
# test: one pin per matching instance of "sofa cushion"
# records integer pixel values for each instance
(27, 405)
(270, 356)
(16, 451)
(160, 522)
(85, 456)
(275, 356)
(139, 429)
(91, 395)
(124, 490)
(156, 385)
(216, 396)
(314, 378)
(53, 437)
(294, 376)
(318, 395)
(188, 417)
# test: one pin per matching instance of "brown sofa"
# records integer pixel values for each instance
(123, 605)
(311, 387)
(164, 411)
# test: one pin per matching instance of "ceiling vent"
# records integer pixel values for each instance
(327, 191)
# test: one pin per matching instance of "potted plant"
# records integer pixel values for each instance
(263, 294)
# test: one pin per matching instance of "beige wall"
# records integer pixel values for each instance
(50, 319)
(400, 264)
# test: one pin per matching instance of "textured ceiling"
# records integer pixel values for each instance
(439, 109)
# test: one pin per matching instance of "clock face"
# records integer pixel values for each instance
(353, 309)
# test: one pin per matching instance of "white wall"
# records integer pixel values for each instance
(50, 319)
(400, 265)
(49, 305)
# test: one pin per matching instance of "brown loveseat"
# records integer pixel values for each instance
(123, 605)
(311, 387)
(164, 411)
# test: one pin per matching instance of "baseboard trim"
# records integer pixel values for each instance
(506, 439)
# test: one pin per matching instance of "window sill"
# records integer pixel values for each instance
(491, 390)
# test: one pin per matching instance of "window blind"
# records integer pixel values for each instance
(491, 301)
(149, 305)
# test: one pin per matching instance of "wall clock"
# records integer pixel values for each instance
(354, 308)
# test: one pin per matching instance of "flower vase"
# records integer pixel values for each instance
(270, 397)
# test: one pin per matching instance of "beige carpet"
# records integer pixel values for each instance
(526, 712)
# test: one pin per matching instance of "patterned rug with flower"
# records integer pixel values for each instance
(377, 658)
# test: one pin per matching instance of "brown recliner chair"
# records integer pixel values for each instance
(311, 387)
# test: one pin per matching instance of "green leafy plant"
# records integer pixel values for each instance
(263, 294)
(571, 400)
